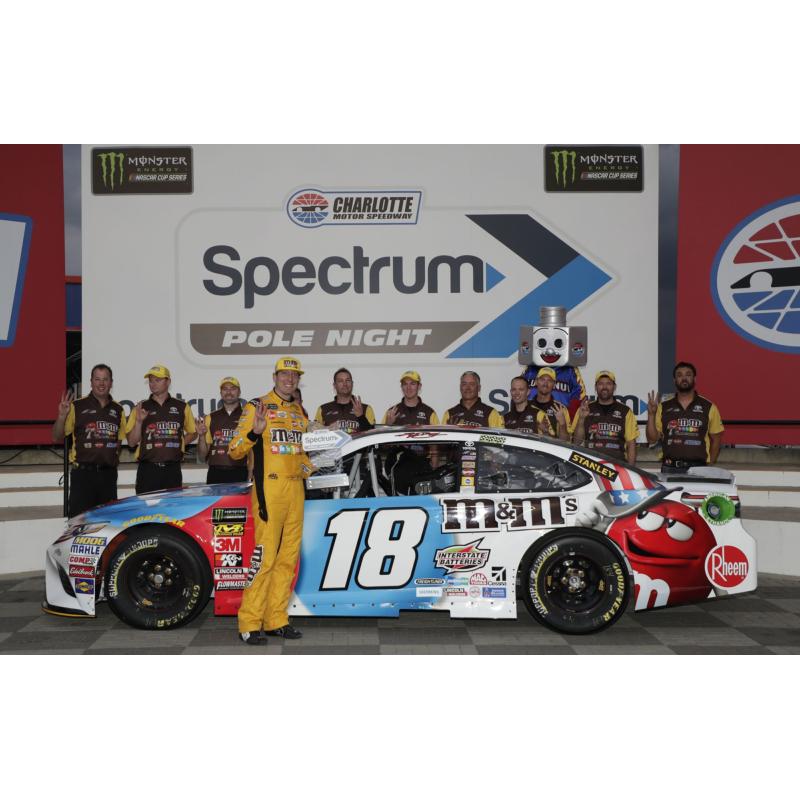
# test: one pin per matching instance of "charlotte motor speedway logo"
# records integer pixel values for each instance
(311, 208)
(755, 280)
(15, 238)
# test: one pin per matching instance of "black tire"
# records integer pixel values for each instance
(575, 581)
(158, 579)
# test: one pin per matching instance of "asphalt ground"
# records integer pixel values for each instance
(760, 623)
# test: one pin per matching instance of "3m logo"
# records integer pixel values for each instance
(727, 566)
(15, 238)
(564, 164)
(111, 169)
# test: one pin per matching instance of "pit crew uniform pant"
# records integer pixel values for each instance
(266, 599)
(89, 486)
(152, 476)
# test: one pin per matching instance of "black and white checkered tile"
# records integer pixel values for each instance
(764, 622)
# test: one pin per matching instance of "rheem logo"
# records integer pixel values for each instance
(726, 566)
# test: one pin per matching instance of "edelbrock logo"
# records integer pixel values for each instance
(756, 277)
(15, 239)
(311, 208)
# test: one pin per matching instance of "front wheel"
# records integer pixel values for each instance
(575, 582)
(158, 578)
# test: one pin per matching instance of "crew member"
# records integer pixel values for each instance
(410, 410)
(160, 428)
(471, 412)
(272, 427)
(605, 424)
(97, 425)
(346, 411)
(523, 417)
(568, 387)
(688, 424)
(215, 432)
(556, 414)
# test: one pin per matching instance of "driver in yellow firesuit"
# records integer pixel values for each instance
(272, 427)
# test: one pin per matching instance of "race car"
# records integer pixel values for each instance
(469, 521)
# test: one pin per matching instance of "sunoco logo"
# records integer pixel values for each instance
(564, 165)
(311, 208)
(726, 566)
(755, 279)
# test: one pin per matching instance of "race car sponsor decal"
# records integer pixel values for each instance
(83, 528)
(231, 586)
(179, 523)
(88, 560)
(456, 591)
(229, 529)
(462, 557)
(229, 515)
(87, 549)
(481, 514)
(93, 540)
(84, 586)
(420, 434)
(493, 591)
(429, 591)
(595, 466)
(727, 566)
(478, 579)
(718, 509)
(498, 574)
(228, 559)
(80, 571)
(492, 438)
(429, 581)
(227, 544)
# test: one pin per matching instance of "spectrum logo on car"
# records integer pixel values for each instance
(311, 208)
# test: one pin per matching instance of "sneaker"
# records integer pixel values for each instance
(286, 632)
(253, 637)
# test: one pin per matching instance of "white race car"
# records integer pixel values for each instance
(470, 521)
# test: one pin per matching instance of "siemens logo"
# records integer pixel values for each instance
(298, 275)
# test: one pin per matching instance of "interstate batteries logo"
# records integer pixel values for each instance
(311, 208)
(576, 168)
(755, 279)
(142, 170)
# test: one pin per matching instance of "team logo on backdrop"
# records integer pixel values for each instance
(142, 170)
(15, 237)
(755, 280)
(310, 208)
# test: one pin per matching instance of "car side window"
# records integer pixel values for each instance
(518, 469)
(418, 468)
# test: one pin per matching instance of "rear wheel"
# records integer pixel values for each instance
(575, 582)
(158, 578)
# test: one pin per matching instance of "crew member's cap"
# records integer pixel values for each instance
(290, 364)
(605, 373)
(546, 371)
(157, 371)
(412, 374)
(230, 380)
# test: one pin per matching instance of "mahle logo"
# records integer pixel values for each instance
(111, 169)
(563, 162)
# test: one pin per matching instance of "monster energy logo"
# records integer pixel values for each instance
(562, 160)
(109, 164)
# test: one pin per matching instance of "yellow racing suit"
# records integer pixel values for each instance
(279, 466)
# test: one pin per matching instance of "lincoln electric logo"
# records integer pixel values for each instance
(755, 279)
(311, 208)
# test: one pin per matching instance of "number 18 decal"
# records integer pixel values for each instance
(390, 553)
